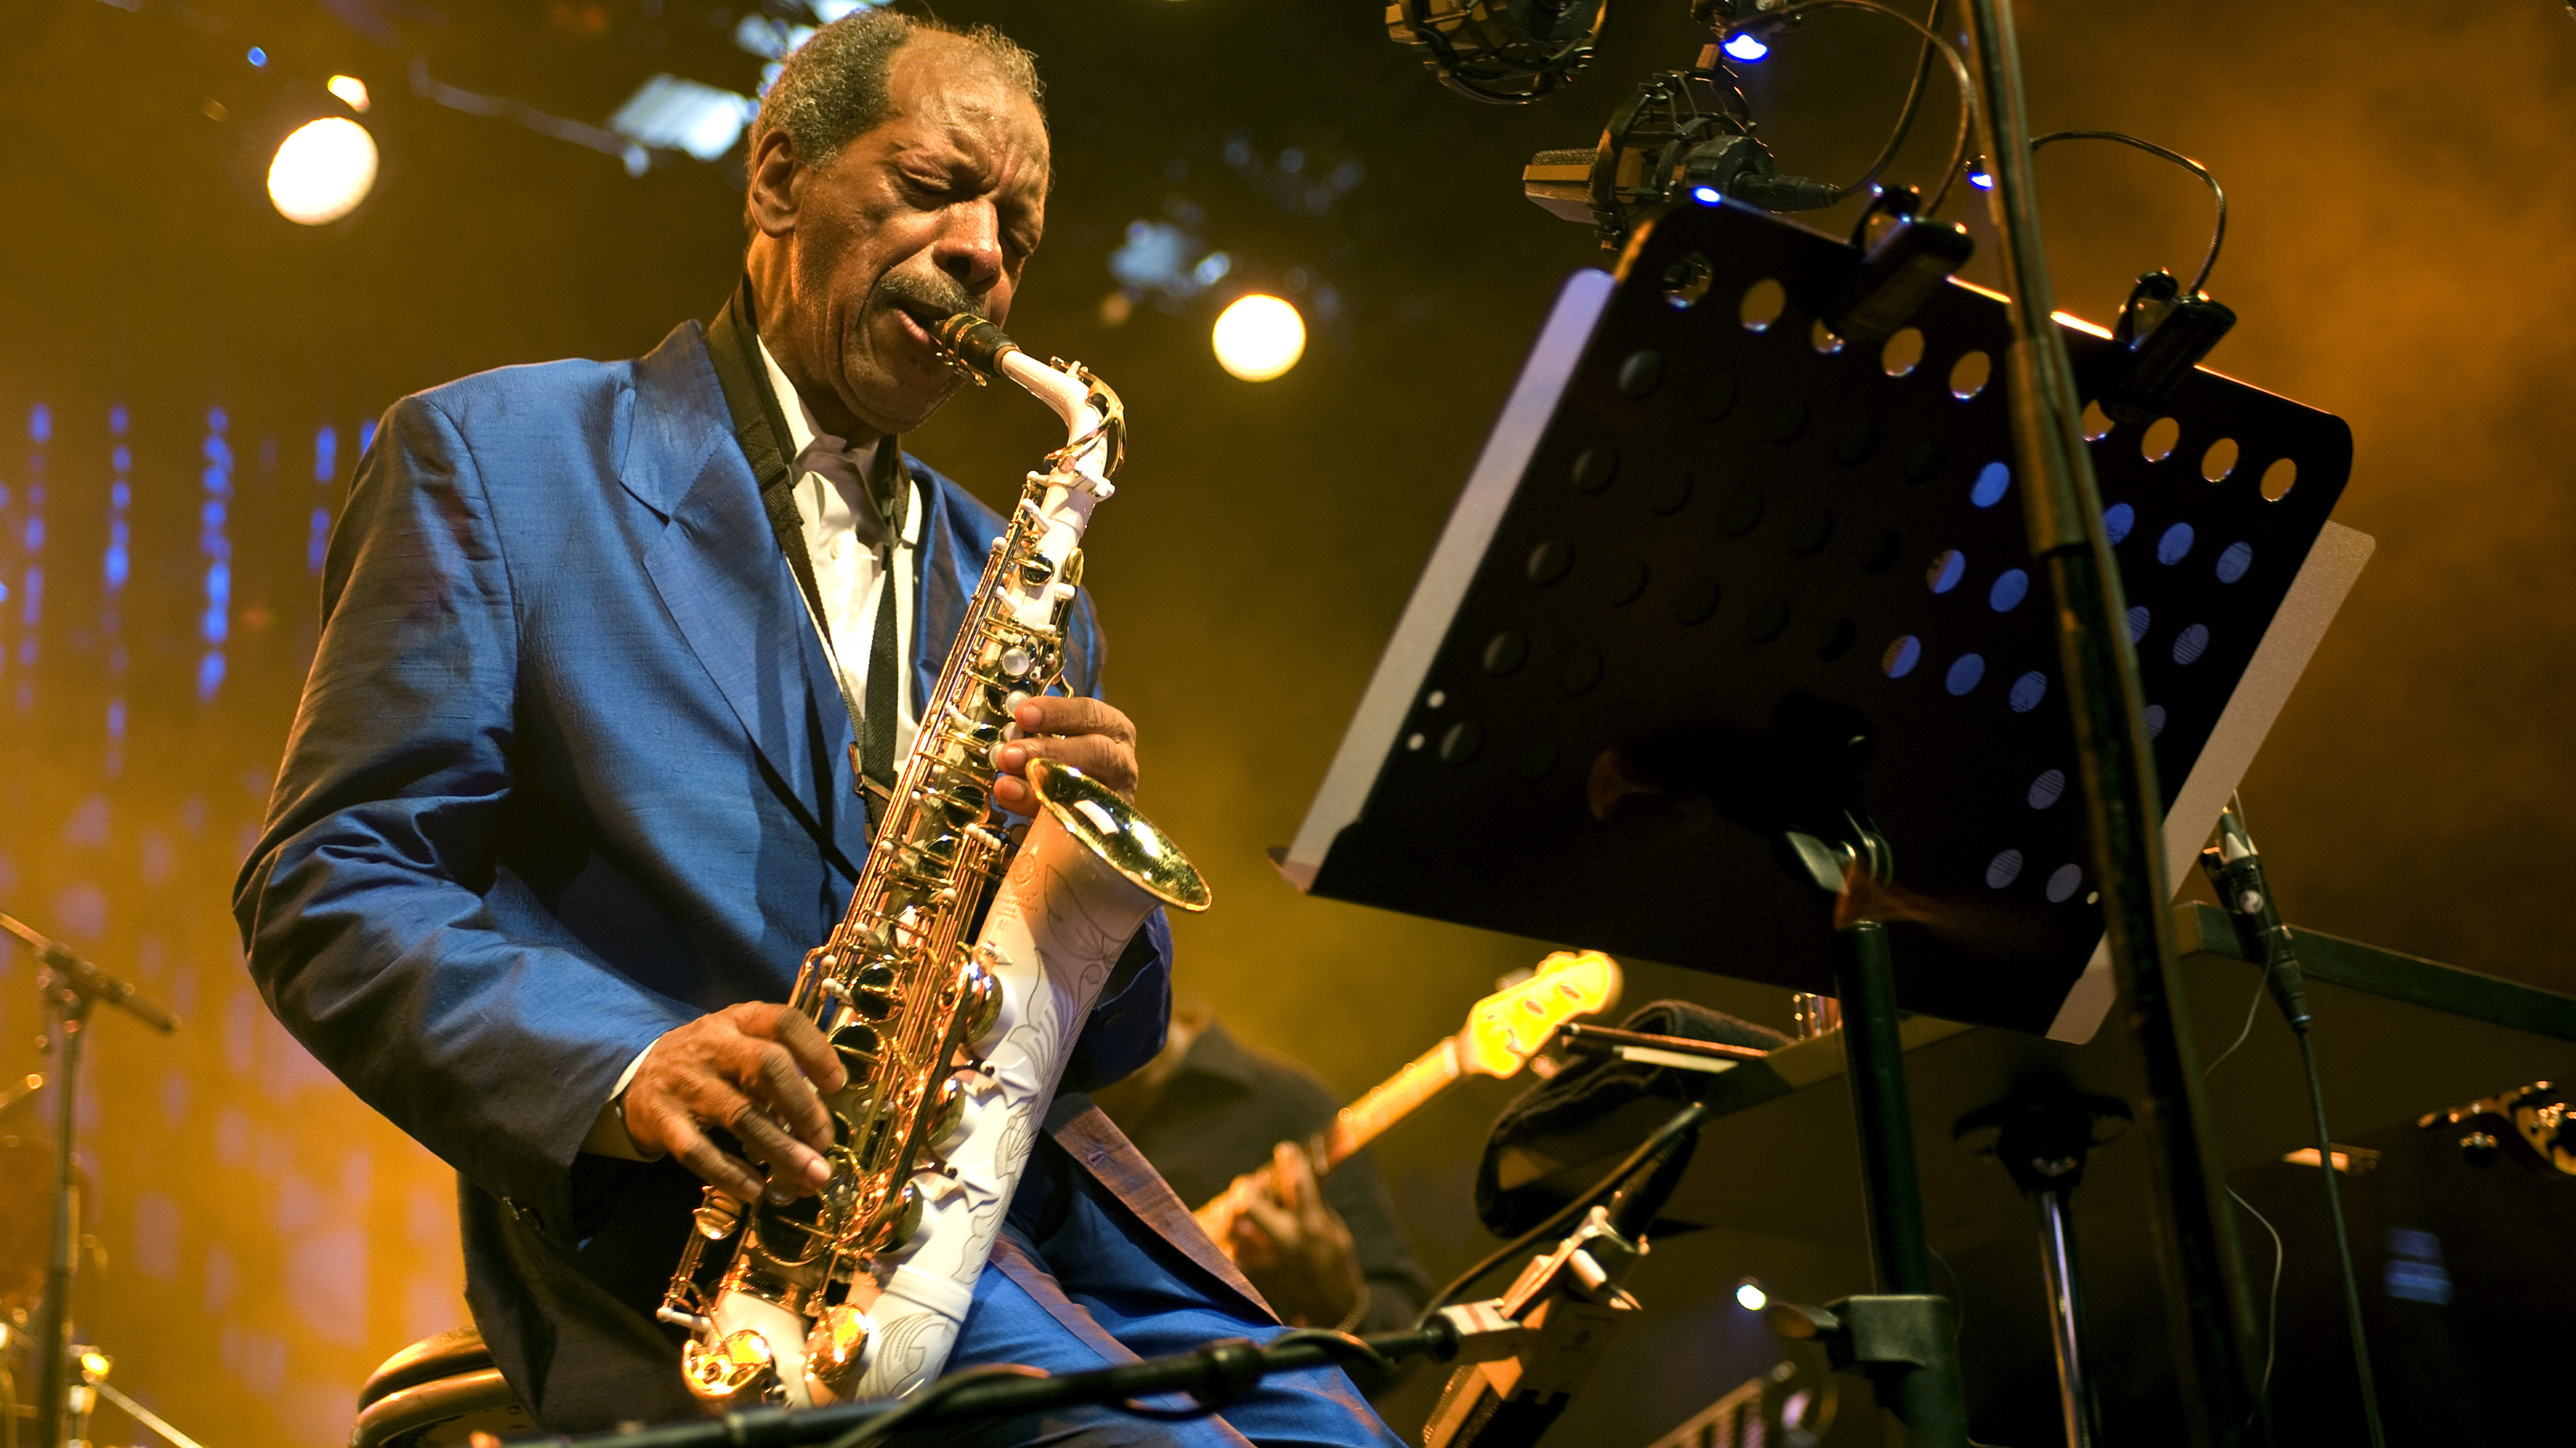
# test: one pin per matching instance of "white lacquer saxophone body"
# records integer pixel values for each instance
(953, 1052)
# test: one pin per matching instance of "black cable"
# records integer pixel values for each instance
(878, 1428)
(1769, 19)
(1686, 1120)
(1904, 117)
(2217, 233)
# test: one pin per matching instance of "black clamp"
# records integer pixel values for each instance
(1901, 1331)
(2163, 335)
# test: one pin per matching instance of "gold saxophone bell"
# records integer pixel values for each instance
(736, 1368)
(1118, 833)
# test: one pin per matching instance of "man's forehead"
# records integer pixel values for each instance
(947, 95)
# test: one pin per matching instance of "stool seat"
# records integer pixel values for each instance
(437, 1393)
(448, 1354)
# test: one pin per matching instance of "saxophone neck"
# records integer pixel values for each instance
(1095, 421)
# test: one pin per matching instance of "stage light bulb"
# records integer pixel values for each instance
(1746, 47)
(1707, 195)
(1750, 1296)
(322, 171)
(351, 90)
(1259, 337)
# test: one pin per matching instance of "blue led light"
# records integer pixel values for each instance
(1707, 195)
(1746, 47)
(258, 57)
(1980, 179)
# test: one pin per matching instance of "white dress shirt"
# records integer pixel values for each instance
(843, 532)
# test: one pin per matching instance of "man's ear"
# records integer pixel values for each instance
(771, 204)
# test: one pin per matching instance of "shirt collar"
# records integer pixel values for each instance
(804, 436)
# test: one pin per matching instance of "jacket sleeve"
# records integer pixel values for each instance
(364, 908)
(1135, 1006)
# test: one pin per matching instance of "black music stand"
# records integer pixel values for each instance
(1728, 608)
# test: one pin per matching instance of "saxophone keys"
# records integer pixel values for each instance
(717, 1215)
(735, 1367)
(836, 1351)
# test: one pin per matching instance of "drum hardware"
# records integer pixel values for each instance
(69, 1379)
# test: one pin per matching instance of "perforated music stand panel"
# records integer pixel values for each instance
(1691, 538)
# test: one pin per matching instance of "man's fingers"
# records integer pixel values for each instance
(1295, 1175)
(780, 1081)
(1062, 714)
(1105, 759)
(788, 1159)
(814, 1055)
(716, 1168)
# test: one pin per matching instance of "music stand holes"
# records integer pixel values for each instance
(1413, 742)
(2027, 691)
(1965, 671)
(1667, 492)
(2048, 789)
(1857, 440)
(1640, 373)
(2138, 620)
(1623, 582)
(1743, 511)
(1505, 652)
(1814, 532)
(1550, 561)
(1763, 303)
(1594, 467)
(2234, 560)
(2154, 714)
(1968, 375)
(1946, 571)
(1770, 619)
(1836, 640)
(2161, 435)
(2011, 587)
(1695, 601)
(2097, 423)
(1462, 743)
(1536, 760)
(1993, 481)
(1788, 418)
(2191, 643)
(2003, 869)
(2278, 479)
(1925, 464)
(1900, 656)
(1435, 699)
(1822, 338)
(2117, 520)
(1582, 670)
(1716, 399)
(1687, 280)
(2063, 882)
(1883, 554)
(2175, 545)
(2219, 461)
(1903, 352)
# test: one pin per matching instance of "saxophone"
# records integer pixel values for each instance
(953, 1053)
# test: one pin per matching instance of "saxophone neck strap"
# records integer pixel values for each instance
(760, 427)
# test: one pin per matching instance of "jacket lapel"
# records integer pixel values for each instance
(718, 571)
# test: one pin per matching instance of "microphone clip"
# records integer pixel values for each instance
(2162, 335)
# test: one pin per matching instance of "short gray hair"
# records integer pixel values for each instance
(833, 88)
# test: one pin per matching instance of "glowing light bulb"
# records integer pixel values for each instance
(1259, 337)
(1706, 195)
(1980, 179)
(1750, 1296)
(351, 90)
(322, 171)
(1746, 47)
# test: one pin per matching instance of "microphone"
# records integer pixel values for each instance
(80, 980)
(1501, 52)
(1682, 134)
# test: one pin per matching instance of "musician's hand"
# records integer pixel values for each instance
(1085, 733)
(752, 1070)
(1296, 1249)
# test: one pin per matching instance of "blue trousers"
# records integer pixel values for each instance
(1078, 1282)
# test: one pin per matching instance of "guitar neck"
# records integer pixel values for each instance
(1389, 1102)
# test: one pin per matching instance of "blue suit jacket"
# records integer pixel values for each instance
(570, 771)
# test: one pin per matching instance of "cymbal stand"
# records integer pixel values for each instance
(70, 986)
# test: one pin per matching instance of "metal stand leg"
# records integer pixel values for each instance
(2043, 1139)
(1924, 1394)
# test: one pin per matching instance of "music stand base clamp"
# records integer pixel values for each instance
(1905, 1343)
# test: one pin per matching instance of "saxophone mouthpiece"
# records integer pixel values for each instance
(973, 346)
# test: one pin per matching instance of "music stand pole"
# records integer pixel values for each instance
(2204, 1274)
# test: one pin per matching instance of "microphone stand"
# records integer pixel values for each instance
(70, 986)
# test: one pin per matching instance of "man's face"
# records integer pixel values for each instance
(933, 212)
